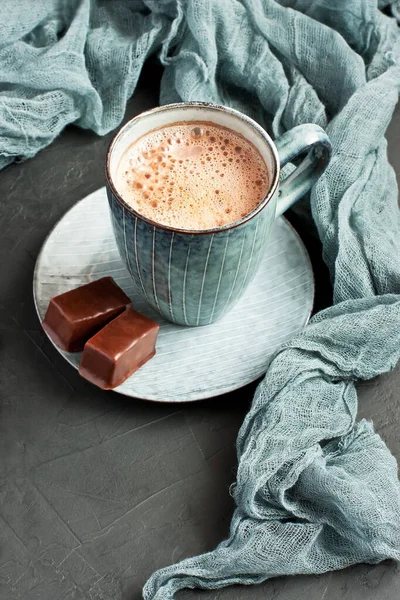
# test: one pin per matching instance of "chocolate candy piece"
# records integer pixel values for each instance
(73, 317)
(119, 349)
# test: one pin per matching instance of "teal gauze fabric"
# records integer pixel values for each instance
(316, 490)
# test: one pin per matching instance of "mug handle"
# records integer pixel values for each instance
(308, 138)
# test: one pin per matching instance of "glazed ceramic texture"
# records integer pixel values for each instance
(194, 278)
(216, 359)
(191, 279)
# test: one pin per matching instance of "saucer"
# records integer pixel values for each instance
(192, 363)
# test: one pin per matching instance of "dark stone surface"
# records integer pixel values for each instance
(96, 490)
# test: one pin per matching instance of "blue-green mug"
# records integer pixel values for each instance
(195, 277)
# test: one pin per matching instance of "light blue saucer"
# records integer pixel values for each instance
(191, 363)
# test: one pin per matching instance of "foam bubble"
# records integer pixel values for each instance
(186, 160)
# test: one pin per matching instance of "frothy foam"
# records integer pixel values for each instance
(192, 175)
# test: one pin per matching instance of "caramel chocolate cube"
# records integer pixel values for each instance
(119, 349)
(75, 316)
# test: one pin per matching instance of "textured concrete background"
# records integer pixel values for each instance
(96, 490)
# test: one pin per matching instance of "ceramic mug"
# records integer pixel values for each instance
(194, 277)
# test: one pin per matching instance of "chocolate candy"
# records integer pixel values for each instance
(73, 317)
(119, 349)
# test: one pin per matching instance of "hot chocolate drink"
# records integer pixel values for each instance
(192, 175)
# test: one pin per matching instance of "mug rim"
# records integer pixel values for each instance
(209, 105)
